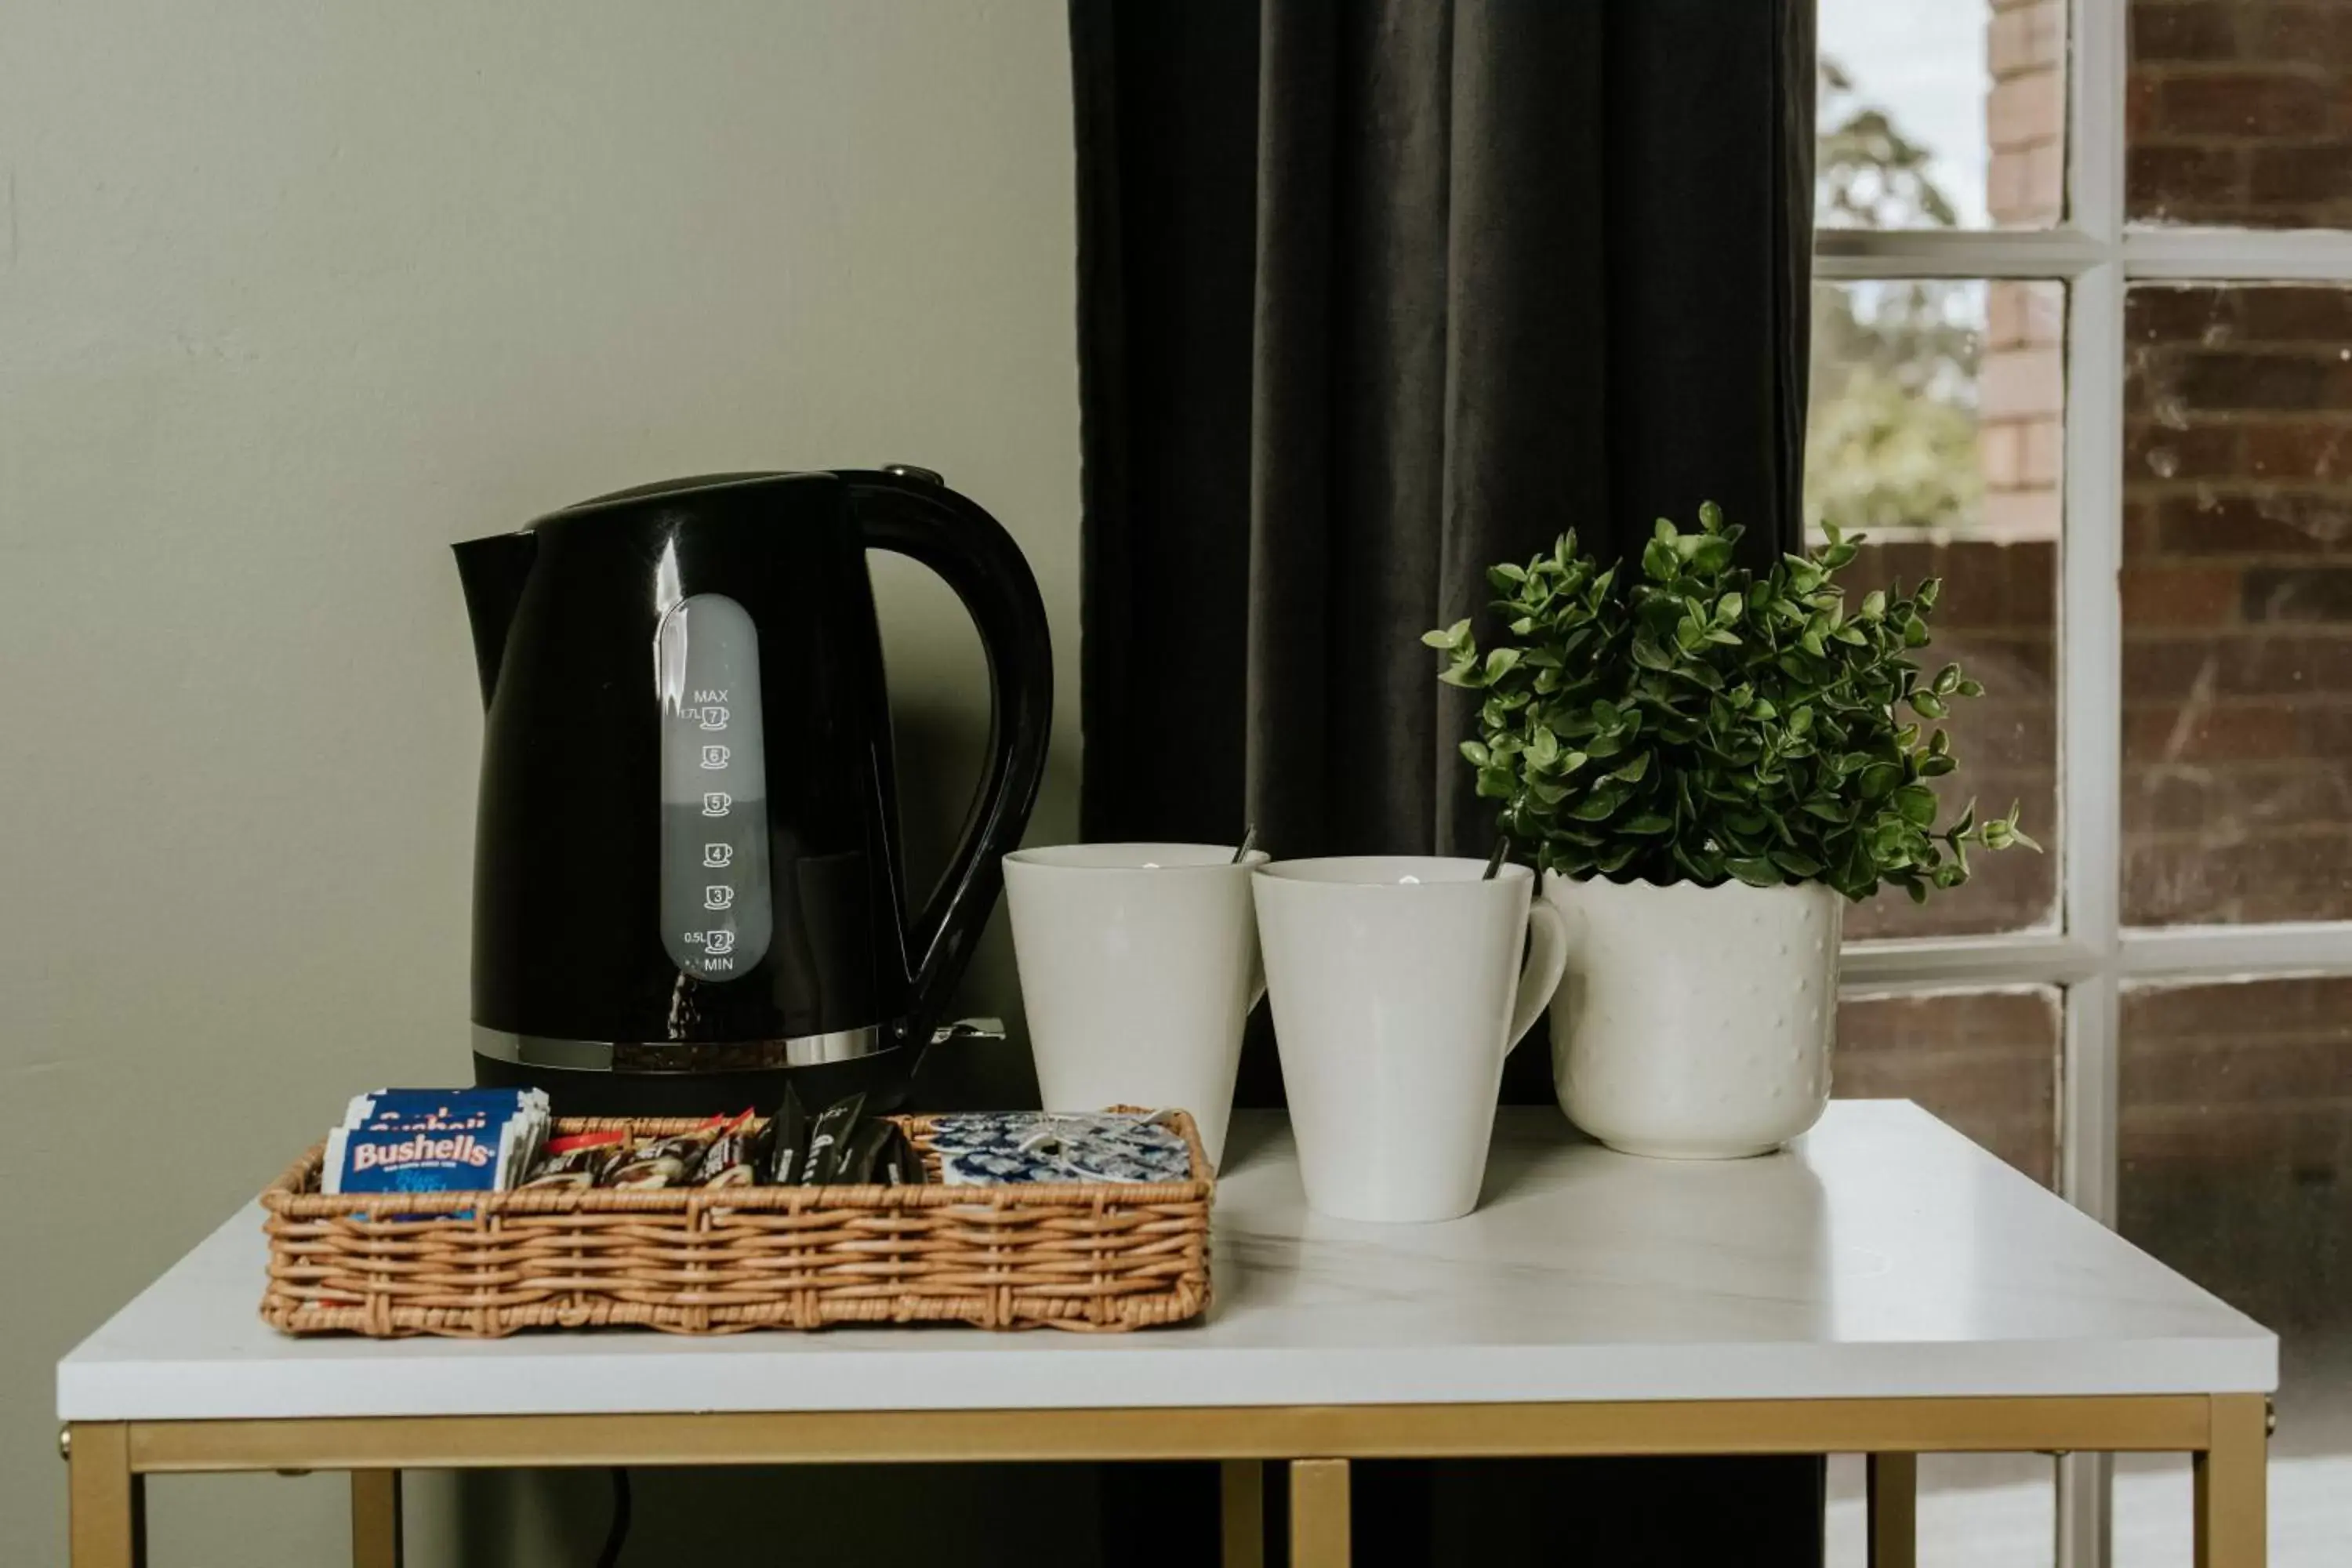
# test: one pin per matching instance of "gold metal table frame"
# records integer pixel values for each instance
(2226, 1434)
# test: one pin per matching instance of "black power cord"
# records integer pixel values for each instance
(618, 1535)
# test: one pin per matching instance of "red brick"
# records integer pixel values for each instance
(2243, 801)
(2304, 449)
(2226, 1068)
(2000, 453)
(2300, 34)
(2319, 172)
(2301, 594)
(2026, 36)
(2173, 180)
(2155, 452)
(2183, 31)
(2140, 104)
(2179, 596)
(2285, 877)
(2014, 382)
(2245, 103)
(2326, 728)
(2025, 109)
(2152, 1014)
(2272, 523)
(2044, 452)
(2162, 314)
(2170, 670)
(2212, 734)
(2314, 316)
(2221, 379)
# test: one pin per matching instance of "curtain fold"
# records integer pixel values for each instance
(1511, 266)
(1374, 293)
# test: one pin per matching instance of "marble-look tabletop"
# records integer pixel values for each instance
(1882, 1255)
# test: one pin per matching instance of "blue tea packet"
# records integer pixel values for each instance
(475, 1108)
(436, 1141)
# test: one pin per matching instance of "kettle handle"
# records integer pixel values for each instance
(910, 513)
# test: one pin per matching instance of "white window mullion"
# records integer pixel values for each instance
(2257, 255)
(2090, 664)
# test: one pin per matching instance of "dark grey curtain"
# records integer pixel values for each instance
(1374, 293)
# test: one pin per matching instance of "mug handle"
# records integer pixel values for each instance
(1546, 958)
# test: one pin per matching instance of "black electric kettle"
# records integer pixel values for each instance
(688, 887)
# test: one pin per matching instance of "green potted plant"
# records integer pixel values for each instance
(1706, 762)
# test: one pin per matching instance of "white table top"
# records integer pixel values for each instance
(1884, 1254)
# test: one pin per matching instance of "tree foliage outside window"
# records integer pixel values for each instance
(1892, 442)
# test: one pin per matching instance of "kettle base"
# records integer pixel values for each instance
(577, 1091)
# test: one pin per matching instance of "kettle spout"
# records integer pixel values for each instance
(493, 571)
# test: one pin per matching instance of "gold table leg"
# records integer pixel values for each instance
(109, 1503)
(1893, 1510)
(1243, 1483)
(1319, 1513)
(376, 1519)
(2232, 1485)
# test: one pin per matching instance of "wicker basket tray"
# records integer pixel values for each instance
(1092, 1257)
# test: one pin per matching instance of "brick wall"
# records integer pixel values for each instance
(2237, 668)
(2238, 604)
(2240, 111)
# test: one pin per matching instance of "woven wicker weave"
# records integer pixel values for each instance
(1095, 1257)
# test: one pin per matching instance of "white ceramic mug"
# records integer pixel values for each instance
(1138, 967)
(1398, 989)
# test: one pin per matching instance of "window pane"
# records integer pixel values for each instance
(1937, 115)
(1935, 430)
(2240, 112)
(2236, 1148)
(2237, 595)
(1985, 1061)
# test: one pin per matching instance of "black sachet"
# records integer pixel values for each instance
(902, 1162)
(828, 1143)
(788, 1138)
(861, 1158)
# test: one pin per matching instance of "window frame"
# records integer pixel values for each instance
(2089, 953)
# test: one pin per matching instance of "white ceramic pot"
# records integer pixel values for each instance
(1399, 983)
(1138, 967)
(1694, 1022)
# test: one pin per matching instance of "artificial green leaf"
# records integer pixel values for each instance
(1784, 749)
(1917, 804)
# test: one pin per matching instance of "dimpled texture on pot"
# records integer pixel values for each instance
(1694, 1022)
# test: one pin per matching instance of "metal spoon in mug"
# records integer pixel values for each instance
(1249, 842)
(1495, 861)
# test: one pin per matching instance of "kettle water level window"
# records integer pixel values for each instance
(2082, 345)
(718, 910)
